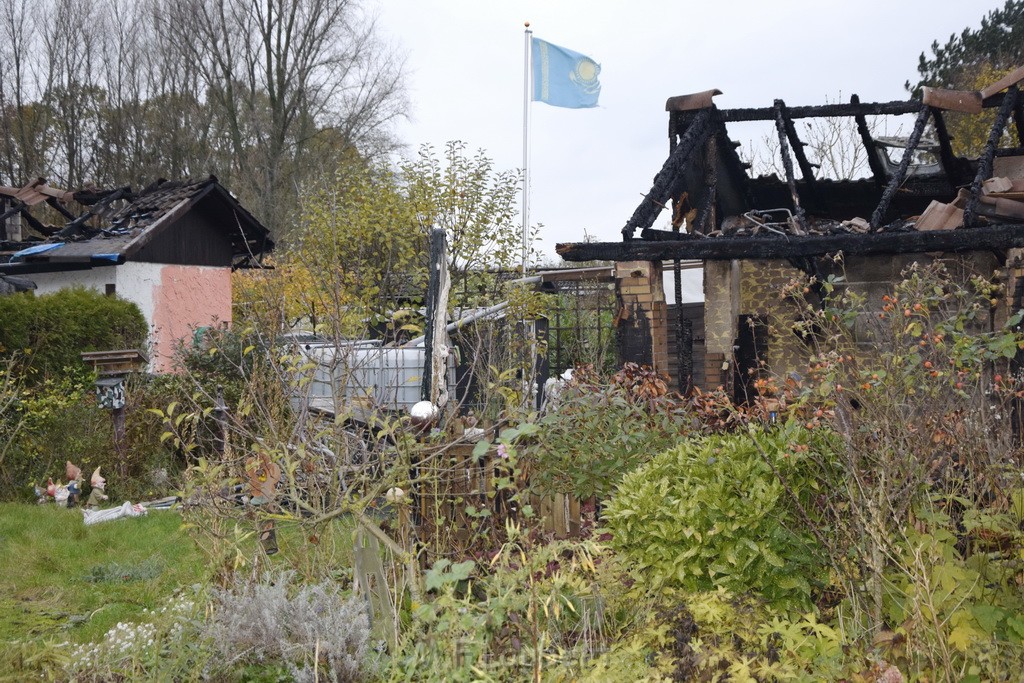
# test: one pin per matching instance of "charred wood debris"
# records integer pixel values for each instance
(932, 200)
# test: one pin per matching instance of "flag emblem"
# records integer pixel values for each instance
(564, 78)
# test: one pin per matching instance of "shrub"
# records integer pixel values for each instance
(53, 329)
(712, 512)
(952, 588)
(59, 421)
(715, 636)
(598, 432)
(305, 629)
(532, 611)
(923, 390)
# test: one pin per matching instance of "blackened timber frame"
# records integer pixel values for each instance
(1002, 236)
(661, 190)
(988, 156)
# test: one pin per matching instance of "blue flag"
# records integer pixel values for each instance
(563, 78)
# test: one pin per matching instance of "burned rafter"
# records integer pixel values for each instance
(987, 158)
(75, 226)
(52, 201)
(924, 111)
(950, 165)
(787, 165)
(661, 190)
(806, 167)
(735, 168)
(1018, 119)
(874, 163)
(16, 208)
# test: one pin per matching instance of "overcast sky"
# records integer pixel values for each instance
(590, 166)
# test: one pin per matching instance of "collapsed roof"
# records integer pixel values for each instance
(108, 227)
(947, 204)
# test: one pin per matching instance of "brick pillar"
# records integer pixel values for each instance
(642, 321)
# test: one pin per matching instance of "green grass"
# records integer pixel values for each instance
(60, 579)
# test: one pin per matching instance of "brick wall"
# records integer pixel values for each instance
(693, 314)
(642, 320)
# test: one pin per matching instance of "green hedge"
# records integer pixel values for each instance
(52, 330)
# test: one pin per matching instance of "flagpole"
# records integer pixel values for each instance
(527, 94)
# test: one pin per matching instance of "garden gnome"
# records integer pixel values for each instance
(98, 494)
(57, 491)
(61, 495)
(74, 483)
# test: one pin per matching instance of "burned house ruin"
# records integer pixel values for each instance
(169, 248)
(755, 234)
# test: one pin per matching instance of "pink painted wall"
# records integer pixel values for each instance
(186, 297)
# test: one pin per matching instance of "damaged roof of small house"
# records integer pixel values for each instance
(110, 226)
(947, 203)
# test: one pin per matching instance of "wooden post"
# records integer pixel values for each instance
(220, 414)
(119, 431)
(434, 384)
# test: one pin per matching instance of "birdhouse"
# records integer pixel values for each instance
(115, 362)
(110, 392)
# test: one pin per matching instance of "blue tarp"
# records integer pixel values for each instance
(38, 249)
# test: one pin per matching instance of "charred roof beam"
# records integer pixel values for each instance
(787, 165)
(699, 248)
(1018, 119)
(23, 209)
(806, 167)
(74, 226)
(874, 163)
(924, 111)
(988, 156)
(52, 201)
(813, 111)
(655, 200)
(946, 156)
(706, 221)
(16, 208)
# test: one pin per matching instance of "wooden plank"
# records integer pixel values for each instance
(575, 516)
(545, 512)
(559, 523)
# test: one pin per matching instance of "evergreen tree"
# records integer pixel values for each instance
(998, 44)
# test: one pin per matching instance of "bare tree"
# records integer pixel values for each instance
(22, 124)
(280, 73)
(833, 144)
(267, 94)
(70, 35)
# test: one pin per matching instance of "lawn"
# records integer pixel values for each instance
(60, 579)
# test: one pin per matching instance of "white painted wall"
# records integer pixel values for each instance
(97, 278)
(137, 282)
(172, 299)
